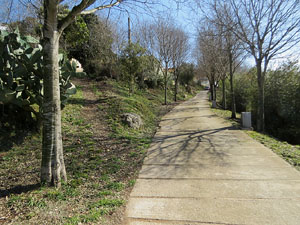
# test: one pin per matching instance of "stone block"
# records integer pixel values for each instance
(246, 120)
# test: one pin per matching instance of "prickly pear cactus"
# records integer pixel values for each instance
(21, 74)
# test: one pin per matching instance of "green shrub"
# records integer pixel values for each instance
(282, 102)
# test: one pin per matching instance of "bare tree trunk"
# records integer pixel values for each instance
(211, 89)
(261, 98)
(176, 90)
(166, 84)
(223, 93)
(233, 106)
(215, 92)
(176, 86)
(53, 167)
(214, 96)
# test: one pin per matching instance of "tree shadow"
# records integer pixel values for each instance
(176, 148)
(86, 102)
(9, 137)
(19, 189)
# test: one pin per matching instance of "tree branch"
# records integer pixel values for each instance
(79, 9)
(101, 7)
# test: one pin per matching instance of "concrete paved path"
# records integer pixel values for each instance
(199, 170)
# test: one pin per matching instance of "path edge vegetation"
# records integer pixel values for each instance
(289, 152)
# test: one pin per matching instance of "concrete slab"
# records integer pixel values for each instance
(222, 211)
(187, 147)
(218, 172)
(240, 189)
(133, 221)
(213, 158)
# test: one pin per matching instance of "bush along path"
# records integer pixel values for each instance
(102, 156)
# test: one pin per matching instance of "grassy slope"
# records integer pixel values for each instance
(102, 158)
(291, 153)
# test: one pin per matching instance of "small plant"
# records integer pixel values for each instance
(33, 202)
(131, 183)
(133, 154)
(67, 191)
(108, 203)
(55, 195)
(105, 193)
(117, 186)
(14, 200)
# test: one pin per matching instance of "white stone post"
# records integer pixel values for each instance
(246, 120)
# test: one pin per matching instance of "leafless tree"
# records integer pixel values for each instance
(169, 46)
(267, 28)
(210, 60)
(232, 55)
(164, 45)
(179, 53)
(221, 59)
(146, 36)
(235, 55)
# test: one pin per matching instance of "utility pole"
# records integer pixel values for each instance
(129, 31)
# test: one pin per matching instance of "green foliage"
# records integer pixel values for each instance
(133, 63)
(117, 186)
(282, 100)
(92, 216)
(21, 79)
(105, 193)
(107, 203)
(131, 183)
(94, 50)
(186, 73)
(246, 92)
(17, 202)
(67, 191)
(77, 34)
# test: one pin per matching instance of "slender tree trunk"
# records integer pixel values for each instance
(53, 167)
(223, 93)
(233, 105)
(211, 89)
(176, 86)
(215, 92)
(166, 82)
(214, 97)
(261, 98)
